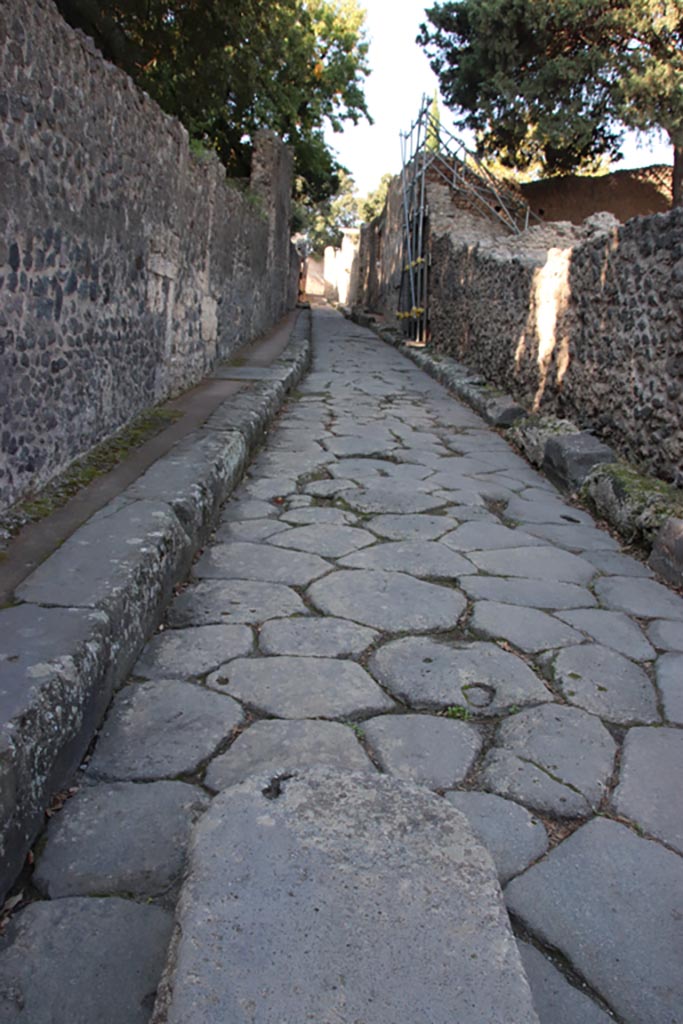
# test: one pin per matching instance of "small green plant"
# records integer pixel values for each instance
(458, 711)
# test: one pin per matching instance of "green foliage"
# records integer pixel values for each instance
(228, 68)
(323, 222)
(556, 81)
(373, 204)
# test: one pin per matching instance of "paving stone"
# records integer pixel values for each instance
(367, 445)
(670, 683)
(327, 540)
(121, 839)
(665, 635)
(316, 514)
(410, 527)
(479, 676)
(613, 629)
(83, 960)
(281, 747)
(511, 834)
(527, 628)
(326, 878)
(298, 687)
(238, 509)
(249, 530)
(649, 791)
(319, 637)
(552, 758)
(238, 601)
(263, 563)
(389, 601)
(475, 536)
(547, 510)
(528, 593)
(329, 488)
(645, 598)
(434, 752)
(390, 499)
(367, 471)
(540, 563)
(614, 564)
(268, 487)
(612, 903)
(421, 558)
(190, 653)
(607, 684)
(161, 730)
(555, 999)
(575, 538)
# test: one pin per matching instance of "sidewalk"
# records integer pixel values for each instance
(397, 620)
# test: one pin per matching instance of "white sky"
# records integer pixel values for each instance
(400, 76)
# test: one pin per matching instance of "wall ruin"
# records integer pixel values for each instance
(128, 265)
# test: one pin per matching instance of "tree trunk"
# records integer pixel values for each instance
(677, 176)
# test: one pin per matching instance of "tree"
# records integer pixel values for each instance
(323, 222)
(226, 69)
(556, 81)
(373, 204)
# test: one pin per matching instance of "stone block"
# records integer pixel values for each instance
(666, 557)
(337, 896)
(569, 458)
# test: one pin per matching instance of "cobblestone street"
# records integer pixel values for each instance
(392, 592)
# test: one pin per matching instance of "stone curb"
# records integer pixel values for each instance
(574, 460)
(84, 615)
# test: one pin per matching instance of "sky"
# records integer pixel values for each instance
(400, 76)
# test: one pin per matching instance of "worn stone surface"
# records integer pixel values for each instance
(527, 628)
(83, 960)
(670, 684)
(585, 898)
(328, 540)
(424, 559)
(649, 791)
(545, 510)
(280, 747)
(120, 839)
(162, 729)
(302, 687)
(315, 637)
(551, 758)
(644, 598)
(511, 834)
(613, 629)
(616, 564)
(249, 530)
(390, 601)
(573, 537)
(540, 563)
(607, 684)
(378, 498)
(235, 601)
(667, 636)
(528, 593)
(191, 653)
(260, 562)
(479, 676)
(410, 527)
(555, 999)
(434, 752)
(493, 536)
(319, 857)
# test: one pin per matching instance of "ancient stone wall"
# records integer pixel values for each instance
(128, 265)
(581, 321)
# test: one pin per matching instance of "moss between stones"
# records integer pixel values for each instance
(102, 459)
